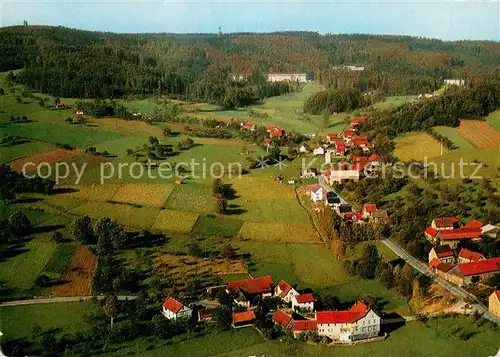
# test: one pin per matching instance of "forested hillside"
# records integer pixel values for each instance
(75, 63)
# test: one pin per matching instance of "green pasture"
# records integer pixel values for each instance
(455, 137)
(494, 119)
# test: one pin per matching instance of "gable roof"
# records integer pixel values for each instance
(474, 224)
(444, 267)
(316, 188)
(282, 318)
(461, 233)
(245, 316)
(253, 285)
(304, 325)
(489, 228)
(480, 267)
(435, 263)
(356, 312)
(304, 298)
(374, 157)
(443, 251)
(431, 231)
(445, 222)
(284, 287)
(370, 207)
(470, 255)
(172, 305)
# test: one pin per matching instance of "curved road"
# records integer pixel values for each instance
(423, 268)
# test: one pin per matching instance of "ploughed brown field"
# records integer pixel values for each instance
(78, 275)
(51, 157)
(479, 133)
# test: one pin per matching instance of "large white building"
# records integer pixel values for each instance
(357, 323)
(287, 77)
(454, 82)
(173, 310)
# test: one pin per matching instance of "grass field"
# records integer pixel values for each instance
(21, 270)
(58, 261)
(18, 321)
(144, 194)
(392, 102)
(175, 221)
(455, 137)
(479, 133)
(191, 196)
(10, 153)
(494, 119)
(216, 226)
(127, 215)
(417, 146)
(278, 232)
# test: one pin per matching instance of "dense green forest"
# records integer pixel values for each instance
(75, 63)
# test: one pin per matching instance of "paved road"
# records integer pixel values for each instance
(328, 188)
(60, 299)
(423, 268)
(454, 289)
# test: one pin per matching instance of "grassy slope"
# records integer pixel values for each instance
(494, 119)
(416, 146)
(454, 136)
(18, 321)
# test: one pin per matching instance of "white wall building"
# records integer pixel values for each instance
(173, 310)
(454, 82)
(303, 302)
(287, 77)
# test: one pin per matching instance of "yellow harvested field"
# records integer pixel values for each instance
(479, 133)
(175, 221)
(94, 192)
(417, 146)
(278, 233)
(181, 267)
(262, 188)
(143, 194)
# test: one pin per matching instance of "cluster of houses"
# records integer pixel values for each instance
(463, 266)
(299, 317)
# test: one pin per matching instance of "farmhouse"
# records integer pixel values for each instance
(467, 256)
(303, 302)
(462, 274)
(357, 120)
(283, 319)
(317, 193)
(446, 230)
(303, 326)
(368, 210)
(247, 292)
(173, 310)
(287, 77)
(247, 125)
(331, 138)
(454, 82)
(275, 132)
(359, 322)
(442, 253)
(285, 291)
(341, 175)
(494, 303)
(242, 319)
(318, 150)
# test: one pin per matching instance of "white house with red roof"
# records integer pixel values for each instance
(447, 230)
(173, 310)
(285, 291)
(317, 193)
(318, 150)
(247, 292)
(368, 210)
(248, 125)
(462, 274)
(303, 302)
(275, 132)
(357, 323)
(300, 327)
(466, 256)
(442, 253)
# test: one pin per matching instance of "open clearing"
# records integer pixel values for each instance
(21, 270)
(191, 196)
(494, 119)
(180, 268)
(211, 225)
(278, 233)
(479, 133)
(78, 275)
(262, 188)
(417, 146)
(127, 215)
(175, 221)
(452, 133)
(143, 194)
(50, 157)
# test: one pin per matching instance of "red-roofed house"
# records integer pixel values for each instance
(467, 256)
(204, 315)
(348, 134)
(317, 193)
(355, 216)
(303, 302)
(275, 132)
(359, 159)
(283, 319)
(303, 326)
(248, 125)
(446, 230)
(462, 274)
(173, 310)
(494, 303)
(359, 322)
(454, 237)
(368, 209)
(434, 263)
(360, 141)
(442, 253)
(356, 121)
(285, 291)
(246, 292)
(474, 224)
(242, 319)
(331, 137)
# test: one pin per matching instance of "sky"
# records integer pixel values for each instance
(444, 19)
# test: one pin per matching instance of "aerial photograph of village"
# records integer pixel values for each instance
(250, 178)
